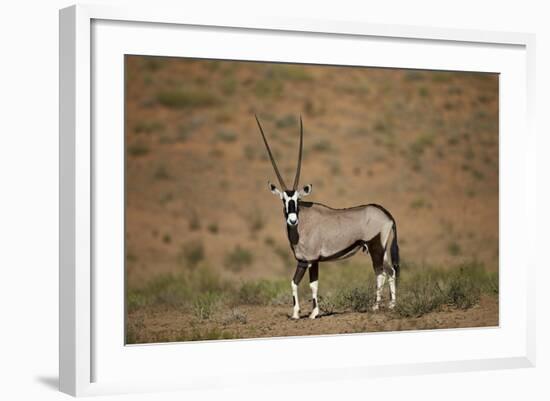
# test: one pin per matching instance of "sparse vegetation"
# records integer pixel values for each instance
(432, 289)
(236, 316)
(205, 305)
(478, 175)
(358, 299)
(180, 99)
(335, 168)
(191, 254)
(262, 292)
(249, 152)
(421, 143)
(226, 136)
(268, 87)
(423, 91)
(419, 203)
(152, 63)
(255, 221)
(289, 120)
(194, 221)
(213, 228)
(414, 75)
(148, 127)
(322, 146)
(454, 249)
(161, 173)
(228, 86)
(138, 149)
(238, 259)
(284, 254)
(421, 290)
(293, 72)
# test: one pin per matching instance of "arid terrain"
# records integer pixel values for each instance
(207, 254)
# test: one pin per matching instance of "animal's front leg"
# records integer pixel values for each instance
(300, 271)
(314, 284)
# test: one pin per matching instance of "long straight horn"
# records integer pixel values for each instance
(297, 178)
(281, 181)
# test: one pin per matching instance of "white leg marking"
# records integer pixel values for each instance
(391, 280)
(315, 312)
(296, 309)
(380, 280)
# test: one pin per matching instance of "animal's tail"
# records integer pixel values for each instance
(394, 250)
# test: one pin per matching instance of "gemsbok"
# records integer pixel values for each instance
(319, 233)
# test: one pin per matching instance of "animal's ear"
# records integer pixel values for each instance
(274, 190)
(305, 191)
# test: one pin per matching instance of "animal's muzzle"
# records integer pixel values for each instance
(292, 219)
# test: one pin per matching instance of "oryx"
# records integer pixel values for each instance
(319, 233)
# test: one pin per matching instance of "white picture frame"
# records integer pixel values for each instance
(84, 349)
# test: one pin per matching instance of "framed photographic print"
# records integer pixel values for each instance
(244, 190)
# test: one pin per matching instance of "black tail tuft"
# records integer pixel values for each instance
(394, 249)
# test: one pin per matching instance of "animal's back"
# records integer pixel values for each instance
(325, 232)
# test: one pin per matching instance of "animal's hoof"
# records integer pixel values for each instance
(375, 307)
(392, 305)
(314, 313)
(295, 315)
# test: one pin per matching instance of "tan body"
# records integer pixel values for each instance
(324, 232)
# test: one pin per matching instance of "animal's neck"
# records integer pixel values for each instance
(292, 232)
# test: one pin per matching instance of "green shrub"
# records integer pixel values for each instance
(205, 305)
(454, 249)
(430, 289)
(191, 254)
(358, 299)
(138, 149)
(268, 87)
(148, 127)
(328, 304)
(213, 228)
(421, 296)
(238, 259)
(322, 146)
(226, 136)
(161, 173)
(293, 72)
(262, 292)
(179, 99)
(462, 292)
(289, 120)
(194, 221)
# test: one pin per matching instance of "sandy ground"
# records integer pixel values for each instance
(162, 325)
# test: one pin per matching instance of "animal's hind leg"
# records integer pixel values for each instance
(377, 256)
(313, 284)
(390, 271)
